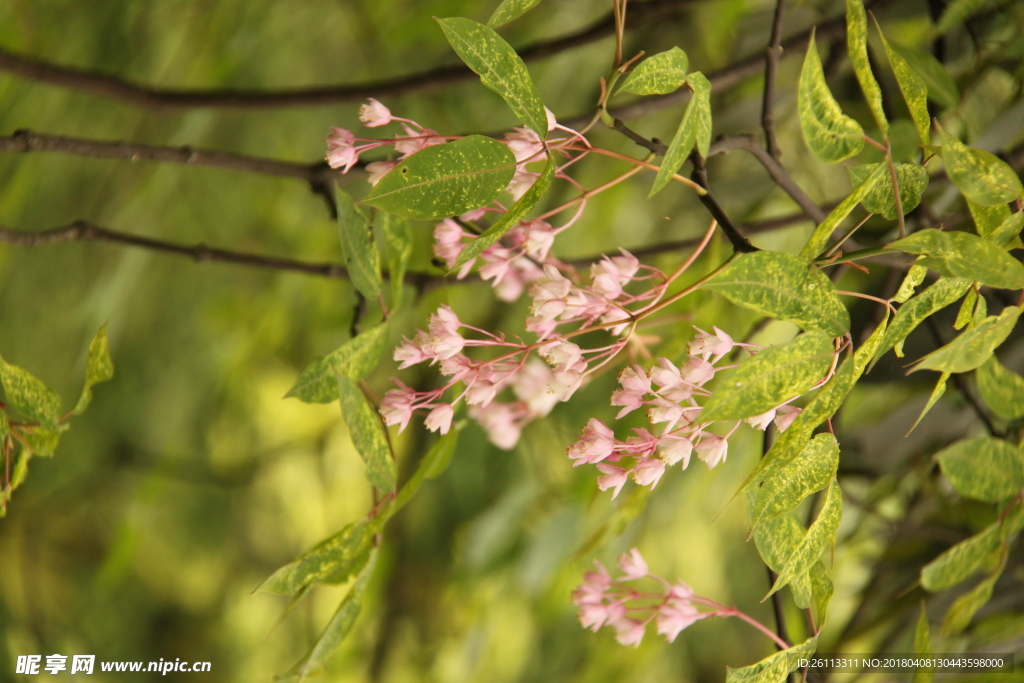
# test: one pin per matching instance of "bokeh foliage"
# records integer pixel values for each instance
(190, 480)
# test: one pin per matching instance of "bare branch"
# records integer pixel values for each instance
(700, 176)
(771, 63)
(106, 85)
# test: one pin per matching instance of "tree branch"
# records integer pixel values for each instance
(700, 176)
(771, 63)
(105, 85)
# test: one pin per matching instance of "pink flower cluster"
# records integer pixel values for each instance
(343, 152)
(602, 601)
(536, 387)
(670, 393)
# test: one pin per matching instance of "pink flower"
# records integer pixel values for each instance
(697, 371)
(600, 579)
(633, 565)
(498, 420)
(445, 339)
(680, 591)
(440, 418)
(458, 367)
(539, 239)
(378, 169)
(414, 141)
(786, 416)
(630, 631)
(712, 449)
(712, 346)
(613, 478)
(562, 354)
(521, 272)
(530, 386)
(635, 385)
(666, 375)
(674, 617)
(596, 443)
(761, 421)
(676, 449)
(648, 472)
(396, 406)
(411, 352)
(525, 144)
(665, 411)
(374, 114)
(341, 151)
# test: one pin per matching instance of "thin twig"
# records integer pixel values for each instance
(777, 172)
(771, 63)
(700, 176)
(106, 85)
(961, 385)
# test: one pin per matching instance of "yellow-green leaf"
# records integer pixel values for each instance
(960, 561)
(912, 179)
(27, 394)
(355, 358)
(984, 468)
(963, 255)
(659, 74)
(511, 217)
(937, 392)
(911, 314)
(774, 668)
(362, 259)
(829, 133)
(784, 286)
(98, 368)
(913, 87)
(819, 239)
(857, 46)
(398, 239)
(967, 605)
(445, 180)
(914, 277)
(499, 68)
(509, 10)
(982, 176)
(973, 347)
(770, 378)
(923, 647)
(368, 435)
(1001, 389)
(820, 535)
(811, 471)
(694, 128)
(941, 86)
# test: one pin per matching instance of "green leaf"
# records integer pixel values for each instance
(337, 558)
(770, 378)
(966, 313)
(811, 471)
(511, 217)
(339, 625)
(355, 358)
(499, 68)
(911, 314)
(857, 45)
(915, 276)
(1001, 389)
(987, 219)
(974, 347)
(963, 255)
(983, 468)
(98, 368)
(659, 74)
(776, 539)
(445, 180)
(933, 398)
(821, 590)
(510, 10)
(923, 647)
(983, 177)
(694, 128)
(829, 133)
(960, 561)
(42, 441)
(912, 179)
(816, 244)
(398, 238)
(957, 12)
(1009, 230)
(913, 87)
(819, 536)
(774, 668)
(29, 396)
(966, 606)
(941, 86)
(368, 435)
(784, 286)
(362, 259)
(433, 464)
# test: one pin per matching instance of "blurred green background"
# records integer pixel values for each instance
(190, 479)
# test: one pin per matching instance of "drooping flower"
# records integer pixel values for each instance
(374, 114)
